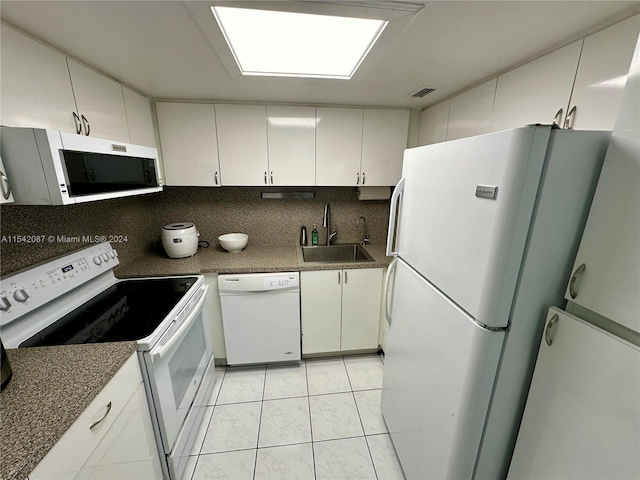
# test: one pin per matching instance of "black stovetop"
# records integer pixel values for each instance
(127, 311)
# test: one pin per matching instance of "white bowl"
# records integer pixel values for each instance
(233, 242)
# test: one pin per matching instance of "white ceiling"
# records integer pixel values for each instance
(172, 49)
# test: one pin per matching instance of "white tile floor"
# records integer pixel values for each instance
(317, 420)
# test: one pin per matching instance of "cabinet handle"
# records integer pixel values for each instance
(5, 186)
(216, 178)
(357, 178)
(574, 277)
(547, 331)
(338, 277)
(97, 422)
(76, 120)
(265, 178)
(85, 124)
(558, 118)
(345, 277)
(363, 178)
(271, 178)
(570, 120)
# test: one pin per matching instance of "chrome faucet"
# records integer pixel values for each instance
(326, 223)
(365, 233)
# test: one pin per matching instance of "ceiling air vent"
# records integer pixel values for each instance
(422, 92)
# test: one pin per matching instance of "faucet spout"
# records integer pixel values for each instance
(326, 223)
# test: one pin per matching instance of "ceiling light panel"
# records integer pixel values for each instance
(273, 43)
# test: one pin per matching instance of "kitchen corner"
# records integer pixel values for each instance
(58, 383)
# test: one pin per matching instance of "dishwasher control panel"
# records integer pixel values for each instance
(280, 281)
(258, 282)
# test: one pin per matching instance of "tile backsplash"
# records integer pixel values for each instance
(214, 211)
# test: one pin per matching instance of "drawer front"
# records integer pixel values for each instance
(69, 454)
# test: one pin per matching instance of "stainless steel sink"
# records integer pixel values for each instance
(345, 253)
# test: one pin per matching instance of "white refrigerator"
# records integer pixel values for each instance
(484, 231)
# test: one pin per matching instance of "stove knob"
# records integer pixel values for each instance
(21, 295)
(4, 304)
(97, 260)
(105, 257)
(112, 253)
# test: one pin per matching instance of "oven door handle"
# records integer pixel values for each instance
(166, 348)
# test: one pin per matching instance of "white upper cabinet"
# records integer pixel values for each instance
(36, 91)
(242, 145)
(433, 124)
(100, 104)
(189, 144)
(536, 91)
(470, 112)
(291, 135)
(139, 118)
(338, 146)
(384, 139)
(602, 72)
(360, 147)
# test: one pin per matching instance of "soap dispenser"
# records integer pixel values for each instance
(314, 235)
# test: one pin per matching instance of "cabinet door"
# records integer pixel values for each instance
(189, 144)
(242, 145)
(361, 308)
(139, 118)
(36, 90)
(533, 93)
(69, 454)
(433, 124)
(128, 449)
(292, 145)
(321, 307)
(470, 112)
(609, 248)
(384, 138)
(599, 84)
(100, 101)
(338, 146)
(582, 417)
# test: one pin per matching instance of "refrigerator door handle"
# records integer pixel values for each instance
(394, 217)
(390, 268)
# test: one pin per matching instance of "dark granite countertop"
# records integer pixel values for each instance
(49, 389)
(253, 259)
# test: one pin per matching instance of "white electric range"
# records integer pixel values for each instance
(76, 299)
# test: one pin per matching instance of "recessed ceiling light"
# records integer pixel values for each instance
(287, 44)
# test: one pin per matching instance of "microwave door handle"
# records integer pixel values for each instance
(190, 320)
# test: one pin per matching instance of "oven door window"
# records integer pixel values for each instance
(184, 363)
(93, 173)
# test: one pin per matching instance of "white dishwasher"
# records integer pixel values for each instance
(261, 317)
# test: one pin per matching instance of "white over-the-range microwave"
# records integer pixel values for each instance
(49, 167)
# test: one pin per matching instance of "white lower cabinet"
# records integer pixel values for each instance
(340, 309)
(113, 437)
